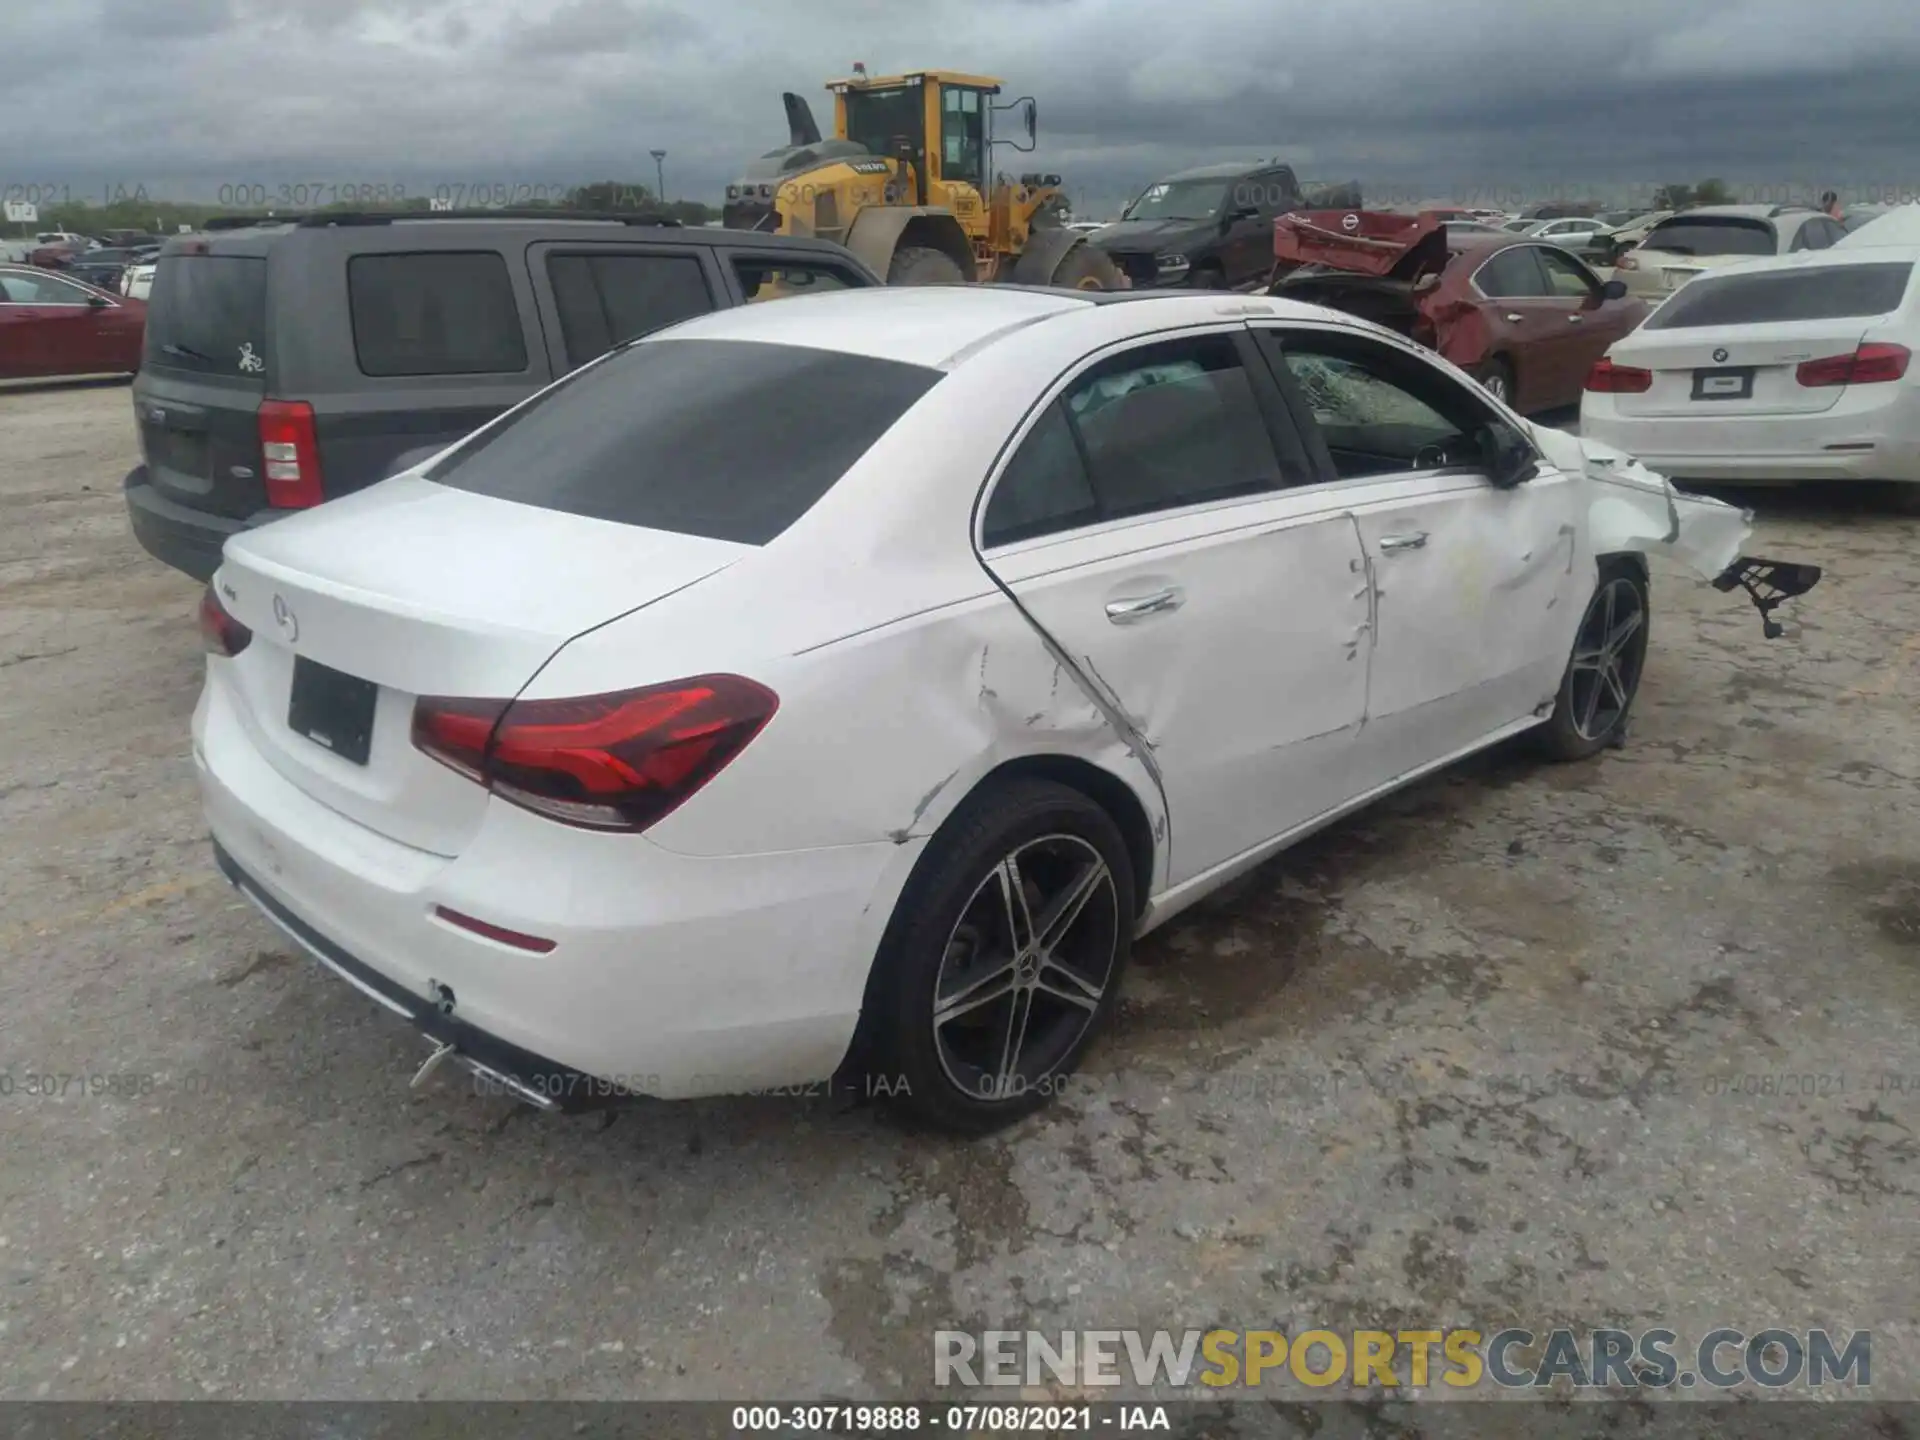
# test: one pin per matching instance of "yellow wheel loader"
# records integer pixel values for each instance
(907, 183)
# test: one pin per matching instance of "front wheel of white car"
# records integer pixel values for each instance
(1603, 673)
(1003, 958)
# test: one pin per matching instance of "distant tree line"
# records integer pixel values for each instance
(165, 217)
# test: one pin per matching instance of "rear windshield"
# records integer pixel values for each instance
(1712, 235)
(208, 314)
(1826, 292)
(730, 440)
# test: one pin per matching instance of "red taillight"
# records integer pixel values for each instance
(606, 762)
(219, 631)
(291, 453)
(1610, 379)
(1869, 365)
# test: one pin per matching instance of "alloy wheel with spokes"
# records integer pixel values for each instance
(1607, 657)
(1603, 672)
(1026, 967)
(1002, 959)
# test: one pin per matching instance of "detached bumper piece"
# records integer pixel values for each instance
(1768, 583)
(540, 1082)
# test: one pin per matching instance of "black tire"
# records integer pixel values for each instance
(1496, 378)
(1208, 277)
(954, 912)
(1087, 267)
(919, 265)
(1590, 712)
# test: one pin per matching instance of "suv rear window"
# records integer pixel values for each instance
(731, 440)
(208, 314)
(435, 313)
(1826, 292)
(1713, 235)
(605, 300)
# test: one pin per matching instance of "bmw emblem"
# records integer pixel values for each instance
(283, 617)
(1720, 356)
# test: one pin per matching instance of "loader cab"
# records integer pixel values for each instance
(939, 122)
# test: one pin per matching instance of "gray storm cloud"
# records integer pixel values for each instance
(183, 96)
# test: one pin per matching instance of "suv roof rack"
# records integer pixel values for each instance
(321, 219)
(1784, 209)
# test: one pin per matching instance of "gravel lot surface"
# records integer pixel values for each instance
(1625, 1042)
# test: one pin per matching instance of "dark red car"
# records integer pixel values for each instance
(53, 325)
(1522, 316)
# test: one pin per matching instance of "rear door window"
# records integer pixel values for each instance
(435, 313)
(607, 300)
(208, 314)
(1045, 487)
(1513, 274)
(731, 440)
(1172, 424)
(1823, 292)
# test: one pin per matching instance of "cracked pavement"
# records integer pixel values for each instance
(1513, 1047)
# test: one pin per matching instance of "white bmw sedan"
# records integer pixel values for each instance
(839, 687)
(1793, 369)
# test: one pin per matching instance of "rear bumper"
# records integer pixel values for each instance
(1864, 437)
(189, 540)
(671, 975)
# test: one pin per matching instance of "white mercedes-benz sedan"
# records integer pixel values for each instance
(837, 688)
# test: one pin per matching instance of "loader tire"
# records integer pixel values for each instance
(1087, 268)
(919, 265)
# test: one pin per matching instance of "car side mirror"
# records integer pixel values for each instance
(1510, 460)
(98, 302)
(1242, 212)
(1614, 290)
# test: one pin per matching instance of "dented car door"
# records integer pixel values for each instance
(1473, 584)
(1145, 524)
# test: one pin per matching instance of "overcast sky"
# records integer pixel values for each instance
(1472, 98)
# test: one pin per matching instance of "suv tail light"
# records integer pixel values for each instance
(1610, 379)
(291, 452)
(1869, 365)
(604, 762)
(219, 631)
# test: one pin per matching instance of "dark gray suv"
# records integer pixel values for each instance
(290, 362)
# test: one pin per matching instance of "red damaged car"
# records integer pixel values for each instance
(51, 325)
(1523, 317)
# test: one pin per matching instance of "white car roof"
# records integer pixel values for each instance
(1899, 225)
(1831, 257)
(940, 325)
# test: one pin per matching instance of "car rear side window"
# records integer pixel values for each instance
(1823, 292)
(1513, 274)
(1712, 235)
(208, 314)
(435, 313)
(731, 440)
(607, 300)
(1172, 424)
(1045, 487)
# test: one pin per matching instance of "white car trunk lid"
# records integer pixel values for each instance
(417, 589)
(1773, 353)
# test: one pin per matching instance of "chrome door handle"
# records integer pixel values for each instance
(1139, 607)
(1573, 319)
(1415, 541)
(1515, 319)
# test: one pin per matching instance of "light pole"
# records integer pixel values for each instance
(660, 175)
